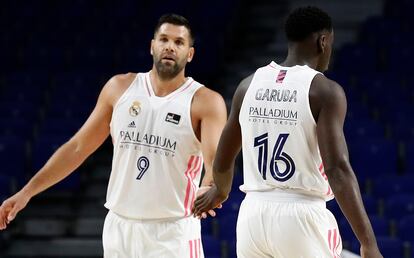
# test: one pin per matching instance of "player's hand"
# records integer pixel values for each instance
(10, 208)
(208, 201)
(370, 252)
(212, 213)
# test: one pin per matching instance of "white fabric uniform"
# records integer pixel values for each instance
(131, 238)
(281, 160)
(157, 160)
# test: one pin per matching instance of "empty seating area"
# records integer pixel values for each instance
(379, 128)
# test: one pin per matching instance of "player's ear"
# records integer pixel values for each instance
(190, 54)
(151, 47)
(321, 43)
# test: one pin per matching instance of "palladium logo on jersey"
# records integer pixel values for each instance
(148, 140)
(135, 108)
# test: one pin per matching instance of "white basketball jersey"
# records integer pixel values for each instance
(157, 159)
(280, 146)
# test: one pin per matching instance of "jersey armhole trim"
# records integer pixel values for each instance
(190, 121)
(308, 100)
(122, 98)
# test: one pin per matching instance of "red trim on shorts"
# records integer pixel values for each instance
(191, 248)
(199, 247)
(334, 239)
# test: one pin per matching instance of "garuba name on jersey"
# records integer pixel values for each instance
(280, 146)
(157, 159)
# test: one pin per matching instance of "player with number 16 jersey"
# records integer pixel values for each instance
(283, 152)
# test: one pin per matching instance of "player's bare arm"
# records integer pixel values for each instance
(328, 103)
(209, 115)
(228, 148)
(72, 153)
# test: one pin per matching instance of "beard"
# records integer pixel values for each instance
(168, 70)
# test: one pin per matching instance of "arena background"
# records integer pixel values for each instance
(56, 55)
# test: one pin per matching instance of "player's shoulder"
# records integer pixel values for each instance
(120, 82)
(326, 87)
(207, 101)
(124, 78)
(205, 95)
(116, 86)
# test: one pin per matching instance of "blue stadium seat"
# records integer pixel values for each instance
(5, 186)
(211, 245)
(389, 247)
(60, 126)
(346, 232)
(366, 56)
(406, 228)
(397, 206)
(362, 129)
(380, 225)
(333, 206)
(43, 148)
(373, 157)
(232, 249)
(409, 157)
(207, 225)
(227, 227)
(232, 204)
(12, 156)
(385, 186)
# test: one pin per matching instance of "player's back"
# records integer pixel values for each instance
(280, 148)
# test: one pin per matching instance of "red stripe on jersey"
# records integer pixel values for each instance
(334, 243)
(337, 246)
(321, 170)
(193, 176)
(188, 189)
(146, 85)
(191, 188)
(281, 76)
(186, 87)
(321, 167)
(272, 66)
(329, 239)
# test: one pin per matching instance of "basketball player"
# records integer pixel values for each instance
(288, 118)
(163, 126)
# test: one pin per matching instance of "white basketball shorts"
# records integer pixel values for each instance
(130, 238)
(286, 225)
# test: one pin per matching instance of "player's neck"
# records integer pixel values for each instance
(292, 60)
(300, 55)
(164, 87)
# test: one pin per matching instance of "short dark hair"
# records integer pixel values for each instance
(175, 19)
(304, 21)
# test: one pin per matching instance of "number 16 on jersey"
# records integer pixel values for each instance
(278, 155)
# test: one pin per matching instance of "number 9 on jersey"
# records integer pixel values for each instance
(142, 165)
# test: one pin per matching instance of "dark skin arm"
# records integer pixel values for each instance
(228, 148)
(328, 104)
